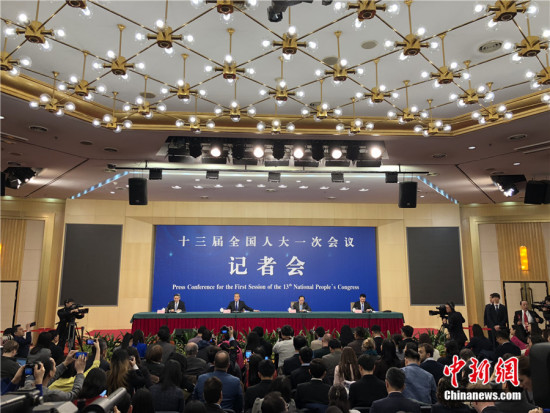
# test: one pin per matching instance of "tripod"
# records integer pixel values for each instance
(74, 332)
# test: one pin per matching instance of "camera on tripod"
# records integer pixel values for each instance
(80, 308)
(440, 311)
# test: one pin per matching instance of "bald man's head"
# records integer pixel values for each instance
(221, 361)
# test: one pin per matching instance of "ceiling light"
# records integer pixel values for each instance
(258, 151)
(375, 152)
(215, 151)
(304, 187)
(336, 152)
(298, 152)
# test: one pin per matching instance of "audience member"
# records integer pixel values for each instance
(266, 345)
(369, 347)
(164, 341)
(346, 371)
(65, 381)
(388, 358)
(194, 406)
(504, 344)
(123, 373)
(103, 363)
(453, 322)
(94, 384)
(252, 341)
(212, 394)
(9, 364)
(451, 349)
(292, 363)
(232, 390)
(273, 403)
(357, 344)
(377, 337)
(519, 336)
(314, 391)
(332, 359)
(531, 341)
(167, 395)
(338, 396)
(302, 374)
(419, 384)
(127, 341)
(142, 401)
(447, 406)
(284, 347)
(139, 343)
(524, 376)
(395, 401)
(198, 337)
(205, 345)
(369, 388)
(428, 363)
(483, 406)
(407, 333)
(399, 346)
(24, 339)
(51, 372)
(153, 363)
(282, 385)
(317, 341)
(186, 383)
(324, 350)
(195, 366)
(479, 342)
(514, 406)
(346, 335)
(251, 377)
(266, 372)
(425, 338)
(57, 352)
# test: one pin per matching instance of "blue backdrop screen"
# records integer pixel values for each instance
(268, 265)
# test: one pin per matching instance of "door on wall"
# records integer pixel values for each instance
(516, 291)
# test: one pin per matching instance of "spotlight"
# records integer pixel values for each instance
(317, 151)
(298, 152)
(258, 151)
(353, 151)
(155, 174)
(391, 177)
(215, 151)
(507, 183)
(279, 150)
(195, 148)
(375, 152)
(336, 152)
(212, 174)
(237, 150)
(337, 177)
(17, 176)
(274, 177)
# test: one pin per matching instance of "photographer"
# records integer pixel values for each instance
(67, 315)
(454, 324)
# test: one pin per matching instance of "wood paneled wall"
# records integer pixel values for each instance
(509, 238)
(13, 247)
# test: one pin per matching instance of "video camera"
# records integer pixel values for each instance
(80, 308)
(543, 306)
(441, 311)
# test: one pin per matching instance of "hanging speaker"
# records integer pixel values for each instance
(535, 192)
(138, 191)
(407, 194)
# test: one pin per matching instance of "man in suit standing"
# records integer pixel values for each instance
(232, 389)
(266, 371)
(331, 360)
(369, 388)
(238, 306)
(301, 306)
(314, 391)
(395, 402)
(176, 306)
(495, 317)
(362, 304)
(525, 316)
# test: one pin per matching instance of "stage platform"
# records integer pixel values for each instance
(149, 323)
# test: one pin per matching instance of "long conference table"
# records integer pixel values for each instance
(150, 322)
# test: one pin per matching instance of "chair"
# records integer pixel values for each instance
(316, 407)
(292, 303)
(351, 305)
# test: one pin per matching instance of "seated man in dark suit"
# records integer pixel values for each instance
(395, 402)
(377, 337)
(302, 374)
(526, 316)
(357, 344)
(505, 345)
(369, 388)
(176, 306)
(314, 391)
(266, 371)
(362, 304)
(428, 363)
(324, 350)
(195, 365)
(301, 306)
(292, 363)
(407, 332)
(213, 395)
(238, 306)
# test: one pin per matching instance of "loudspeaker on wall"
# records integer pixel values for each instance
(537, 192)
(407, 194)
(137, 191)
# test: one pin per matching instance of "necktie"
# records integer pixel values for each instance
(525, 319)
(300, 307)
(236, 305)
(496, 307)
(362, 307)
(175, 306)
